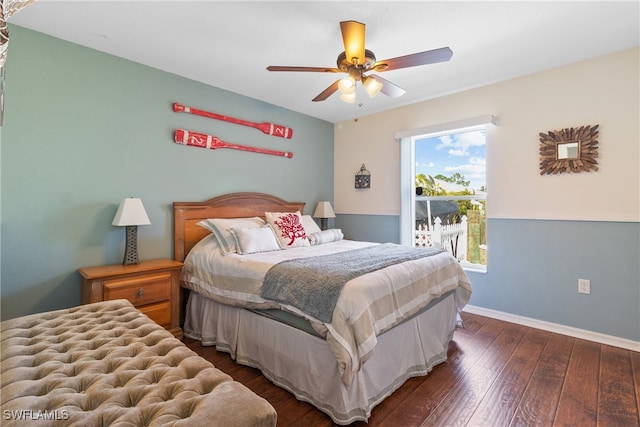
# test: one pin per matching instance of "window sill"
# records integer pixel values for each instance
(475, 268)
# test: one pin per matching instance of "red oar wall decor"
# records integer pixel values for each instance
(267, 128)
(186, 137)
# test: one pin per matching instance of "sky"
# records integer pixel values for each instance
(464, 153)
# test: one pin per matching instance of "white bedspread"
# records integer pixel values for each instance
(368, 305)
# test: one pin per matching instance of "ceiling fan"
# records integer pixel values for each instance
(355, 61)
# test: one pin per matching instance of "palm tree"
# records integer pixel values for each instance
(429, 186)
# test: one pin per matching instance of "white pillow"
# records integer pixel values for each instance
(220, 228)
(253, 240)
(326, 236)
(309, 225)
(206, 244)
(288, 228)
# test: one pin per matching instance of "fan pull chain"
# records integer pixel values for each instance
(357, 118)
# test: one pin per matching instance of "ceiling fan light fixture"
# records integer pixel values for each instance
(347, 86)
(356, 61)
(372, 86)
(348, 97)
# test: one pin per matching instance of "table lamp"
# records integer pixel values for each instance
(324, 211)
(131, 214)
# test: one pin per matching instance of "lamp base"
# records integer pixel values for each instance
(323, 224)
(131, 249)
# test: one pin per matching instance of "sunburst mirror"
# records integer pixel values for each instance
(569, 150)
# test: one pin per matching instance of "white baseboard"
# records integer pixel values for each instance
(556, 328)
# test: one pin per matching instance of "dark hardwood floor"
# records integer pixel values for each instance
(497, 374)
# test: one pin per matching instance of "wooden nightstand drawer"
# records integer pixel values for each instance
(139, 290)
(159, 312)
(153, 286)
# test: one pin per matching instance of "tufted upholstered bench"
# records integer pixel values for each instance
(108, 364)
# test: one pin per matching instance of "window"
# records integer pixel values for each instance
(444, 191)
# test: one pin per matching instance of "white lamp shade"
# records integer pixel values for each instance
(324, 210)
(131, 212)
(347, 86)
(372, 86)
(348, 97)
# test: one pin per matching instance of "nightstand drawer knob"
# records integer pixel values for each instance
(140, 292)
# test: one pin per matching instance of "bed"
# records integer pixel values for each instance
(106, 363)
(385, 324)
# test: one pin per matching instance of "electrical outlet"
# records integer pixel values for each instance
(584, 286)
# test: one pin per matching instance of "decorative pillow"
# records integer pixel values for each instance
(253, 240)
(326, 236)
(288, 228)
(309, 225)
(220, 228)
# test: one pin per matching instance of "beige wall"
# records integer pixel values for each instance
(602, 91)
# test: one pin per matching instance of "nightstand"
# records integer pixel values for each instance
(152, 286)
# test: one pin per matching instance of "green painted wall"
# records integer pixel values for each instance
(83, 129)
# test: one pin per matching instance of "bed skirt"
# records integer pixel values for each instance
(302, 363)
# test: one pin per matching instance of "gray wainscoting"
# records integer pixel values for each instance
(533, 269)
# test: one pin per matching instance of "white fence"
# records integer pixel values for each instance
(452, 237)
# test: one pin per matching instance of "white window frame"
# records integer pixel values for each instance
(408, 169)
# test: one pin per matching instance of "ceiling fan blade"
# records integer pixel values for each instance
(327, 92)
(306, 69)
(353, 39)
(390, 89)
(422, 58)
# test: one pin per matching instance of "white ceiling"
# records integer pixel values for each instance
(229, 44)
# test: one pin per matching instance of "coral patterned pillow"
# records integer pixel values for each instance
(288, 228)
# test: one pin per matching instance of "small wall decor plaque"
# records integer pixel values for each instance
(569, 150)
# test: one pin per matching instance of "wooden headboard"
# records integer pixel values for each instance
(186, 215)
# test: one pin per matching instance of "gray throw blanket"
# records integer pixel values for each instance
(313, 284)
